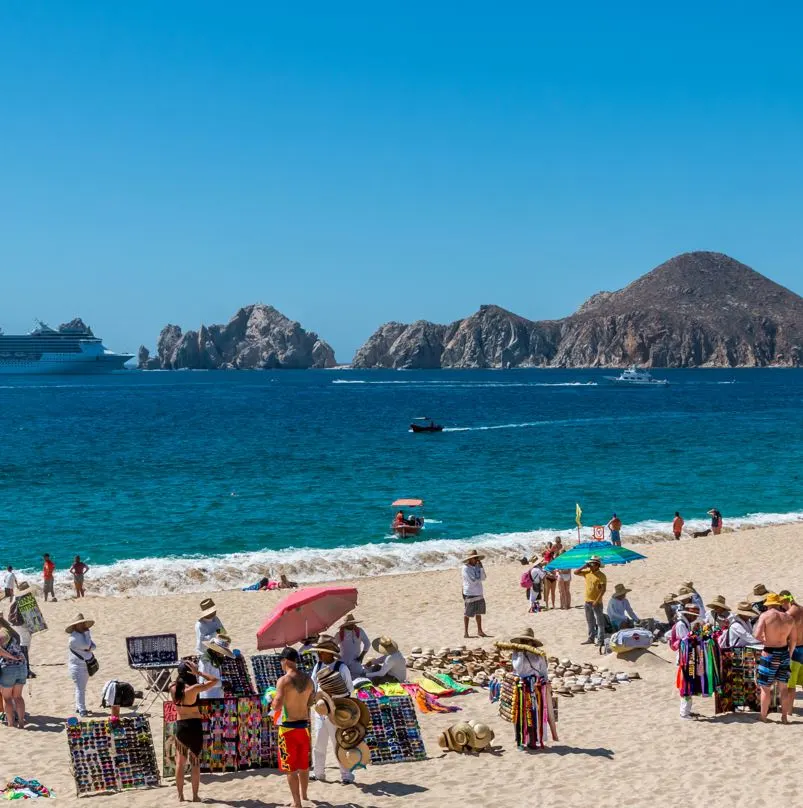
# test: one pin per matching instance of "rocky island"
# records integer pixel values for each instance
(699, 309)
(257, 337)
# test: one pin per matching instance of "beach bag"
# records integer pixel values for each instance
(628, 639)
(92, 664)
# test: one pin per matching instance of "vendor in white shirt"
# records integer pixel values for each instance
(527, 658)
(354, 644)
(740, 628)
(207, 627)
(537, 575)
(9, 582)
(390, 667)
(211, 661)
(717, 613)
(687, 618)
(619, 610)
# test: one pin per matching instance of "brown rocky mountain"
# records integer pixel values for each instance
(256, 337)
(697, 309)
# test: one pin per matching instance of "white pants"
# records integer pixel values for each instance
(80, 676)
(324, 732)
(685, 706)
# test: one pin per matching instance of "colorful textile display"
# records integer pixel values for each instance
(446, 681)
(267, 670)
(394, 735)
(239, 733)
(739, 689)
(114, 754)
(699, 663)
(21, 789)
(434, 688)
(235, 677)
(30, 613)
(528, 704)
(427, 703)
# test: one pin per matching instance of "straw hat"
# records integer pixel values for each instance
(691, 610)
(473, 556)
(350, 621)
(327, 644)
(346, 713)
(23, 586)
(595, 559)
(718, 602)
(79, 618)
(220, 644)
(331, 682)
(745, 609)
(669, 599)
(208, 608)
(357, 757)
(689, 585)
(324, 705)
(387, 645)
(620, 590)
(773, 600)
(523, 641)
(684, 595)
(758, 594)
(351, 737)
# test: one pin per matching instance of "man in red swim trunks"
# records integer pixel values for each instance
(294, 695)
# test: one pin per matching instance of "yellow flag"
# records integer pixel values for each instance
(578, 514)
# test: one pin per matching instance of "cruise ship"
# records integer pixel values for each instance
(71, 349)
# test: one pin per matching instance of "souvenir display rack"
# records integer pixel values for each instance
(268, 668)
(235, 677)
(112, 755)
(394, 735)
(31, 613)
(152, 651)
(739, 690)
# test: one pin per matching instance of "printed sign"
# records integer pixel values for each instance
(30, 613)
(599, 533)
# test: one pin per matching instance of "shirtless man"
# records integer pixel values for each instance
(294, 695)
(795, 611)
(777, 630)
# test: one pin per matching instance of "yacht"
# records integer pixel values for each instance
(636, 377)
(70, 349)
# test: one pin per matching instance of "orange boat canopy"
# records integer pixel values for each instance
(408, 503)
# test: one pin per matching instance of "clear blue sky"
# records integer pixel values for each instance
(354, 163)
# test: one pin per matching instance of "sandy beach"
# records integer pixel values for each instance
(616, 748)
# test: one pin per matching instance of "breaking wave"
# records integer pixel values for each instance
(157, 576)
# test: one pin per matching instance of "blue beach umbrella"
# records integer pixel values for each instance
(579, 555)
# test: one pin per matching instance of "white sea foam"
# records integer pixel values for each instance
(155, 576)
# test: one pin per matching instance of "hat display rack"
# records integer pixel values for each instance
(112, 755)
(394, 735)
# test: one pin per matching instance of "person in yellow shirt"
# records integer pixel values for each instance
(596, 584)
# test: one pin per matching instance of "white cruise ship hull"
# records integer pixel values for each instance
(55, 364)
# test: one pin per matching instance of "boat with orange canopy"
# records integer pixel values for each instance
(405, 526)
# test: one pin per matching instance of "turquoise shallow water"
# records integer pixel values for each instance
(168, 480)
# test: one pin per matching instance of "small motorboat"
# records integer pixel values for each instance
(405, 526)
(428, 425)
(636, 377)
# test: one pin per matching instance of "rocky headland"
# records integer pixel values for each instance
(699, 309)
(257, 337)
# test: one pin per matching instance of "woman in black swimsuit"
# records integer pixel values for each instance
(189, 729)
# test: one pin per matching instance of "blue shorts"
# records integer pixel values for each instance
(11, 675)
(615, 537)
(774, 665)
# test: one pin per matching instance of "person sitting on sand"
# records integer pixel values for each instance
(619, 610)
(354, 644)
(740, 627)
(473, 593)
(778, 632)
(696, 597)
(207, 625)
(677, 525)
(718, 613)
(390, 667)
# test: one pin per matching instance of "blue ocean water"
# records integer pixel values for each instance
(178, 480)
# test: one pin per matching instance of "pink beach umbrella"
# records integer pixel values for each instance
(305, 612)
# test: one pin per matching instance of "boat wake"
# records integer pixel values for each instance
(159, 576)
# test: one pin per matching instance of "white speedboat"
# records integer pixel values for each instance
(636, 377)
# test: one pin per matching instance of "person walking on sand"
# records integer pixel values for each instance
(596, 584)
(537, 578)
(778, 632)
(473, 593)
(795, 611)
(293, 699)
(79, 657)
(9, 583)
(78, 570)
(614, 526)
(48, 568)
(677, 525)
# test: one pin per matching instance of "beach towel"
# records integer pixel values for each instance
(433, 688)
(392, 689)
(427, 703)
(449, 683)
(21, 789)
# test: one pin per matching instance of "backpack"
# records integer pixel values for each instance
(526, 580)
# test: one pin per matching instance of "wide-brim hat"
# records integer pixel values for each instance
(208, 607)
(773, 600)
(220, 644)
(386, 644)
(473, 556)
(595, 559)
(758, 594)
(324, 705)
(351, 759)
(327, 644)
(745, 609)
(688, 585)
(350, 621)
(23, 586)
(350, 737)
(79, 618)
(718, 602)
(346, 713)
(523, 641)
(669, 599)
(687, 610)
(332, 683)
(620, 589)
